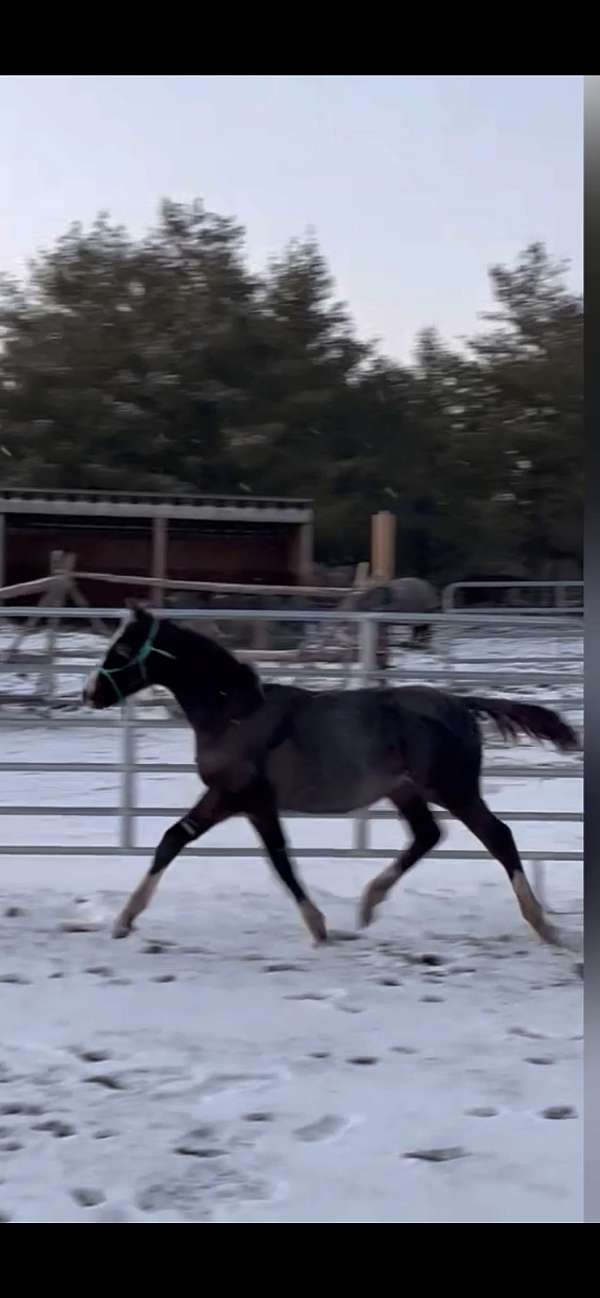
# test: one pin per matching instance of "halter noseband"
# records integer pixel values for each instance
(138, 660)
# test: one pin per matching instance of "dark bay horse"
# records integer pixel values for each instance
(264, 750)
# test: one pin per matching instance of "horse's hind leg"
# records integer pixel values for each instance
(426, 833)
(211, 810)
(496, 836)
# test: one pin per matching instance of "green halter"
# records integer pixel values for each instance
(139, 660)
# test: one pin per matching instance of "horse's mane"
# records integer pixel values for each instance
(224, 669)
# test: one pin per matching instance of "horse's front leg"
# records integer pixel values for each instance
(262, 814)
(211, 810)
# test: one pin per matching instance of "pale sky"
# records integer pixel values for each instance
(413, 185)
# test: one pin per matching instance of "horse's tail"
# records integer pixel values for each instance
(513, 718)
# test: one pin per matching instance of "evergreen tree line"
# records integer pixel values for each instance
(166, 364)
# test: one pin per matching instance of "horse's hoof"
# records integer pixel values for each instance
(122, 927)
(551, 936)
(366, 911)
(315, 922)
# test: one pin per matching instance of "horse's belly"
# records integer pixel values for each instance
(314, 802)
(324, 788)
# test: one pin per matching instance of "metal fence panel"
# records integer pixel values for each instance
(131, 722)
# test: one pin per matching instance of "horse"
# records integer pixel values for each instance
(401, 595)
(264, 749)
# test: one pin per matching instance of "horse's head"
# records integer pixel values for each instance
(127, 666)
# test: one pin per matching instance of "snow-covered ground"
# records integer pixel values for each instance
(216, 1068)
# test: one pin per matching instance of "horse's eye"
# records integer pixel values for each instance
(122, 651)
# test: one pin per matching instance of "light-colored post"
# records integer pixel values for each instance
(128, 780)
(2, 549)
(56, 596)
(361, 576)
(160, 527)
(383, 564)
(383, 546)
(367, 650)
(304, 554)
(367, 659)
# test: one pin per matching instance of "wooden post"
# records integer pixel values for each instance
(2, 549)
(303, 559)
(159, 556)
(60, 566)
(72, 590)
(383, 546)
(361, 576)
(383, 567)
(48, 597)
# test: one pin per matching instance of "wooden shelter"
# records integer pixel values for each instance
(259, 540)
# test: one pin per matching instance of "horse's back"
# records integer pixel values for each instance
(347, 748)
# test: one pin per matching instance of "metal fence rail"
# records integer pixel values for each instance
(128, 812)
(558, 589)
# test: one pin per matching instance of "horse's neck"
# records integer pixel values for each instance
(210, 705)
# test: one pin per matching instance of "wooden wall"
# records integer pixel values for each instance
(263, 555)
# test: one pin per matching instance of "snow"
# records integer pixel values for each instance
(217, 1068)
(217, 1009)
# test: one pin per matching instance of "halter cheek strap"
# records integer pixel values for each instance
(139, 660)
